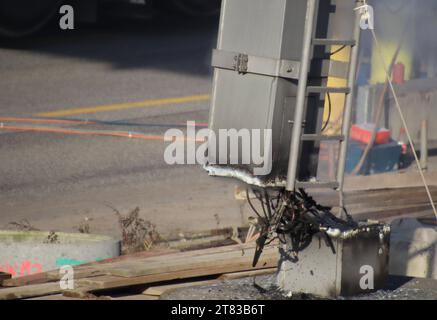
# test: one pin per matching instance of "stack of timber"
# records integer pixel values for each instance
(383, 205)
(147, 274)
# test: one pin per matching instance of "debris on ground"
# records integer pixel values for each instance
(138, 234)
(84, 227)
(52, 238)
(264, 288)
(23, 225)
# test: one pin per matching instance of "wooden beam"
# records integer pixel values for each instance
(246, 274)
(112, 282)
(236, 260)
(160, 290)
(36, 290)
(4, 276)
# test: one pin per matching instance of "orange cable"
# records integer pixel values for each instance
(91, 133)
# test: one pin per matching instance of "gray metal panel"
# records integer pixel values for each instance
(271, 28)
(253, 101)
(243, 96)
(293, 29)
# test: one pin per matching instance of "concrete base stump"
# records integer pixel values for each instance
(359, 265)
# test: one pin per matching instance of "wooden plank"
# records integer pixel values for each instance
(165, 255)
(4, 276)
(54, 274)
(83, 294)
(78, 274)
(357, 195)
(145, 257)
(175, 266)
(112, 282)
(181, 257)
(417, 199)
(197, 253)
(26, 280)
(388, 216)
(139, 255)
(30, 291)
(192, 235)
(386, 210)
(203, 243)
(139, 297)
(160, 290)
(387, 180)
(56, 297)
(50, 276)
(161, 264)
(374, 195)
(246, 274)
(39, 290)
(136, 269)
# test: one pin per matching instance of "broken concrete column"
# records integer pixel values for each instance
(358, 266)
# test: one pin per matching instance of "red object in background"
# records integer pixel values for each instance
(398, 75)
(363, 133)
(404, 148)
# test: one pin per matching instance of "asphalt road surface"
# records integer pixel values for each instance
(143, 78)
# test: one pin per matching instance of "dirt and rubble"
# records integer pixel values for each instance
(264, 288)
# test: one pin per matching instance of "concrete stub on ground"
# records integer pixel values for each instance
(413, 249)
(358, 266)
(31, 252)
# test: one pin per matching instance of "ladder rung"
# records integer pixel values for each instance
(333, 42)
(328, 90)
(318, 137)
(318, 185)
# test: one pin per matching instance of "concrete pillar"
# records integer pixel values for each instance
(358, 266)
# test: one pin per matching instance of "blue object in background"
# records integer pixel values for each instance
(364, 74)
(382, 158)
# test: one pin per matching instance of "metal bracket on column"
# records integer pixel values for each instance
(243, 63)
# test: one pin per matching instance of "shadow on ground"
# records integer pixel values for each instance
(165, 42)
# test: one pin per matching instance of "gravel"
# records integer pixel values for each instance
(264, 288)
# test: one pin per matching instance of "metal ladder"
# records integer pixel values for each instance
(303, 89)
